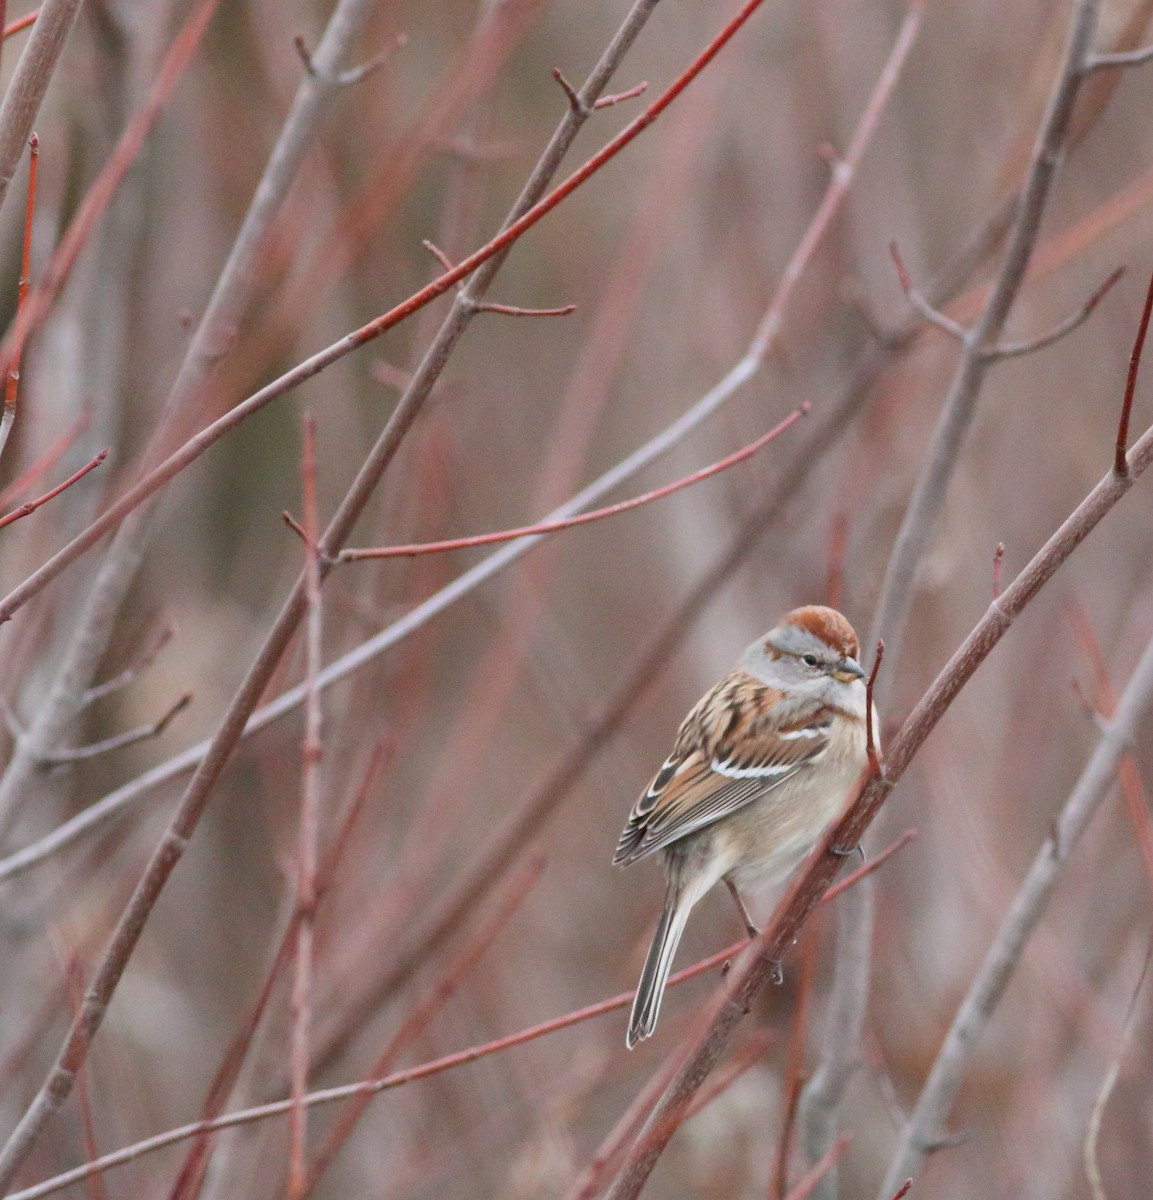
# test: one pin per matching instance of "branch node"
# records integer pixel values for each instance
(351, 75)
(917, 300)
(616, 98)
(578, 106)
(1071, 322)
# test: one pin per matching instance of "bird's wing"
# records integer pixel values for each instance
(707, 778)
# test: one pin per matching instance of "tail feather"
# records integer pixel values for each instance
(654, 976)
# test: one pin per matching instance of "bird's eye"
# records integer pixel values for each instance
(810, 660)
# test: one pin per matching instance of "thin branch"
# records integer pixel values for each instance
(1120, 466)
(513, 310)
(46, 461)
(933, 315)
(31, 506)
(308, 840)
(349, 75)
(1071, 322)
(547, 527)
(21, 23)
(1093, 1132)
(988, 985)
(632, 93)
(12, 384)
(132, 672)
(1122, 58)
(998, 560)
(875, 768)
(143, 733)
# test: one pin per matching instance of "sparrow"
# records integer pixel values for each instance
(760, 767)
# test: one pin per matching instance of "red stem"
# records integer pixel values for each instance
(32, 505)
(508, 535)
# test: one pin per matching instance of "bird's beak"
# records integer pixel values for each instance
(847, 670)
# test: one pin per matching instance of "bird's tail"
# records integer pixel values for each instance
(654, 976)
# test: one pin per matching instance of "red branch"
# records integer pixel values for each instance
(870, 733)
(46, 461)
(508, 535)
(19, 24)
(32, 505)
(1120, 463)
(13, 383)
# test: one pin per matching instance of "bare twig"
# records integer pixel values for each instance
(30, 506)
(1071, 322)
(515, 310)
(1121, 58)
(349, 75)
(998, 560)
(12, 384)
(931, 314)
(1093, 1132)
(119, 741)
(309, 836)
(546, 527)
(46, 461)
(20, 24)
(1120, 465)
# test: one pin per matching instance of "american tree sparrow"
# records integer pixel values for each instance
(760, 767)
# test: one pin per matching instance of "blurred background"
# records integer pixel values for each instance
(670, 254)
